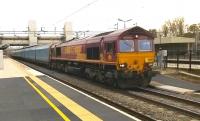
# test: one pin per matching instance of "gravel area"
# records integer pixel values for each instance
(150, 109)
(196, 95)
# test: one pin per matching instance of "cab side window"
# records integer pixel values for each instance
(110, 47)
(93, 53)
(58, 52)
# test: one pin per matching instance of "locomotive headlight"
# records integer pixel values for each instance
(123, 65)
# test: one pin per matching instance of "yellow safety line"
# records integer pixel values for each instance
(48, 101)
(75, 108)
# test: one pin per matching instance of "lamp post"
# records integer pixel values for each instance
(84, 32)
(1, 38)
(135, 24)
(160, 34)
(160, 40)
(124, 21)
(55, 30)
(116, 26)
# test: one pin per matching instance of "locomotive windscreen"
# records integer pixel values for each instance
(145, 45)
(126, 45)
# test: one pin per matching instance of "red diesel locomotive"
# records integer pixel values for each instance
(122, 58)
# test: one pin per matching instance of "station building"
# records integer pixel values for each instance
(175, 44)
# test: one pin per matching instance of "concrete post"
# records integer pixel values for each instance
(68, 33)
(188, 47)
(198, 41)
(1, 59)
(32, 33)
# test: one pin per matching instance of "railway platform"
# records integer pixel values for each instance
(28, 95)
(166, 82)
(172, 79)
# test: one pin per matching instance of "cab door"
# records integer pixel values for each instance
(110, 51)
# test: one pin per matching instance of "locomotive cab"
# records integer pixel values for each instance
(135, 57)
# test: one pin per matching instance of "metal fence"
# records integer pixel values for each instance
(178, 58)
(184, 54)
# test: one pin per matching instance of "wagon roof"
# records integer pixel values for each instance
(56, 44)
(71, 42)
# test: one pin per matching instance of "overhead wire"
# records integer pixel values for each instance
(76, 11)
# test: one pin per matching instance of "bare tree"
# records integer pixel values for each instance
(193, 28)
(153, 31)
(180, 26)
(174, 27)
(165, 29)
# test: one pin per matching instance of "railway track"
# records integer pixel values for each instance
(171, 101)
(174, 96)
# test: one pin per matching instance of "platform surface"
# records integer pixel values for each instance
(173, 84)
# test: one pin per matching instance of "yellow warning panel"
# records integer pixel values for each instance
(65, 118)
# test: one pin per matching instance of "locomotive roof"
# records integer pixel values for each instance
(102, 34)
(116, 34)
(133, 30)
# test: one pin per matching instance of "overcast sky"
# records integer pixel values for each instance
(101, 15)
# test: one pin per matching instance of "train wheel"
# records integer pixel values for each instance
(49, 66)
(115, 83)
(100, 77)
(66, 70)
(146, 79)
(82, 72)
(53, 65)
(145, 82)
(87, 73)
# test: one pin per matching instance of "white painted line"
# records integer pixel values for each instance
(176, 89)
(189, 74)
(34, 72)
(196, 93)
